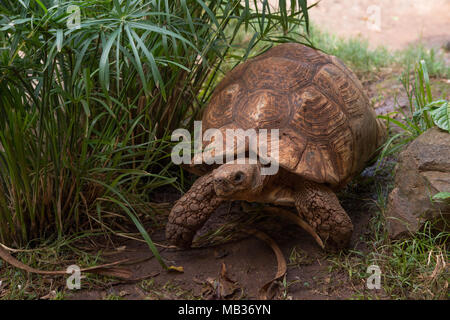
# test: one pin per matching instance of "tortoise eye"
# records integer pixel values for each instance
(239, 176)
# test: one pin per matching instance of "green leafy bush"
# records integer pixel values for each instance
(86, 112)
(433, 59)
(423, 113)
(354, 51)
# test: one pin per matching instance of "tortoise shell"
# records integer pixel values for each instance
(327, 127)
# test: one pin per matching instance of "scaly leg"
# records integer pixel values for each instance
(319, 206)
(191, 211)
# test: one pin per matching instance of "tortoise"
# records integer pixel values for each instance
(328, 132)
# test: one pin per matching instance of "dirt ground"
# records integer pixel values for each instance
(250, 263)
(391, 23)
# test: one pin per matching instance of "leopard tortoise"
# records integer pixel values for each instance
(327, 133)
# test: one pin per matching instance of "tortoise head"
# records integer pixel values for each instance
(238, 181)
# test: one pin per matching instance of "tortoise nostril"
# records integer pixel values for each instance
(221, 182)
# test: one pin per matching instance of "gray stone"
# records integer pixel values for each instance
(422, 171)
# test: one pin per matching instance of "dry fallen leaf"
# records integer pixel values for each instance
(50, 295)
(270, 289)
(123, 293)
(222, 288)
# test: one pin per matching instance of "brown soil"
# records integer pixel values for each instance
(249, 262)
(402, 22)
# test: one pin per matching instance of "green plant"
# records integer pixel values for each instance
(442, 196)
(354, 51)
(423, 113)
(411, 268)
(433, 59)
(86, 113)
(415, 267)
(113, 296)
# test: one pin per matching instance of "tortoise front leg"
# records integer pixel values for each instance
(320, 207)
(191, 211)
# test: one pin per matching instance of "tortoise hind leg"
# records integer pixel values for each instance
(319, 206)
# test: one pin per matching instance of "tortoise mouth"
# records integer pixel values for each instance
(223, 187)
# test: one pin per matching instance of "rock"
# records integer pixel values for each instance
(422, 171)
